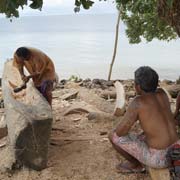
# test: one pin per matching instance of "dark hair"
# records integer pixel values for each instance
(147, 78)
(22, 52)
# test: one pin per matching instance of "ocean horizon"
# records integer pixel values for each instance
(82, 45)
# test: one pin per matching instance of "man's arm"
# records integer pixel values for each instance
(42, 70)
(20, 66)
(130, 117)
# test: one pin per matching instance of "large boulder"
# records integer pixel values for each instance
(29, 119)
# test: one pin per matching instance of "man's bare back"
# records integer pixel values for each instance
(156, 119)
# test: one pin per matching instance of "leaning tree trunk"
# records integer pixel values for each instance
(170, 12)
(115, 45)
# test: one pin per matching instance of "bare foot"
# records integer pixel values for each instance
(128, 167)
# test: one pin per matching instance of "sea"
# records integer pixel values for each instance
(82, 45)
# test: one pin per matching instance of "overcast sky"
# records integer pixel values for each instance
(67, 7)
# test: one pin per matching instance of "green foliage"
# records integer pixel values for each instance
(142, 20)
(10, 7)
(75, 78)
(85, 3)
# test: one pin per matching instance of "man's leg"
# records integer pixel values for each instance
(49, 96)
(46, 90)
(133, 162)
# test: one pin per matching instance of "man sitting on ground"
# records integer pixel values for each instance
(152, 108)
(39, 66)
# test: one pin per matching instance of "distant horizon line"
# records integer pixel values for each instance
(68, 14)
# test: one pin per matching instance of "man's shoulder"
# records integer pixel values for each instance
(40, 54)
(136, 102)
(35, 50)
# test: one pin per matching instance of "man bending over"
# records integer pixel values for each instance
(40, 68)
(152, 108)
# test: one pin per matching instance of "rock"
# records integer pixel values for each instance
(173, 89)
(87, 80)
(108, 95)
(96, 81)
(93, 99)
(63, 81)
(110, 83)
(168, 82)
(29, 119)
(130, 94)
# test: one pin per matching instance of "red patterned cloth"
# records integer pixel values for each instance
(136, 146)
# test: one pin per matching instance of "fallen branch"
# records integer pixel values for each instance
(101, 116)
(71, 95)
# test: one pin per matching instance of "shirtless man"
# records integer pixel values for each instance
(40, 68)
(151, 107)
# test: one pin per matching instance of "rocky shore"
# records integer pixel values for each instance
(79, 147)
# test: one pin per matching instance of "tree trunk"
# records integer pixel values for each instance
(115, 46)
(171, 14)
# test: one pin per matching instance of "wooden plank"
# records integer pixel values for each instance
(159, 174)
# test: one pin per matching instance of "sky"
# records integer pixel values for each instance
(59, 7)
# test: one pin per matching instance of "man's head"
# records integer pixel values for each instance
(23, 53)
(146, 79)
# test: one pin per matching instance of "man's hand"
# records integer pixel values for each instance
(36, 75)
(25, 78)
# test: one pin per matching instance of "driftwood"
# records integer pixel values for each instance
(101, 116)
(120, 100)
(71, 95)
(159, 174)
(93, 99)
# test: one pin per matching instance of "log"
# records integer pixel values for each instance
(101, 116)
(120, 99)
(71, 95)
(159, 174)
(93, 99)
(79, 107)
(29, 119)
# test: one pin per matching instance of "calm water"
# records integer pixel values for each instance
(82, 45)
